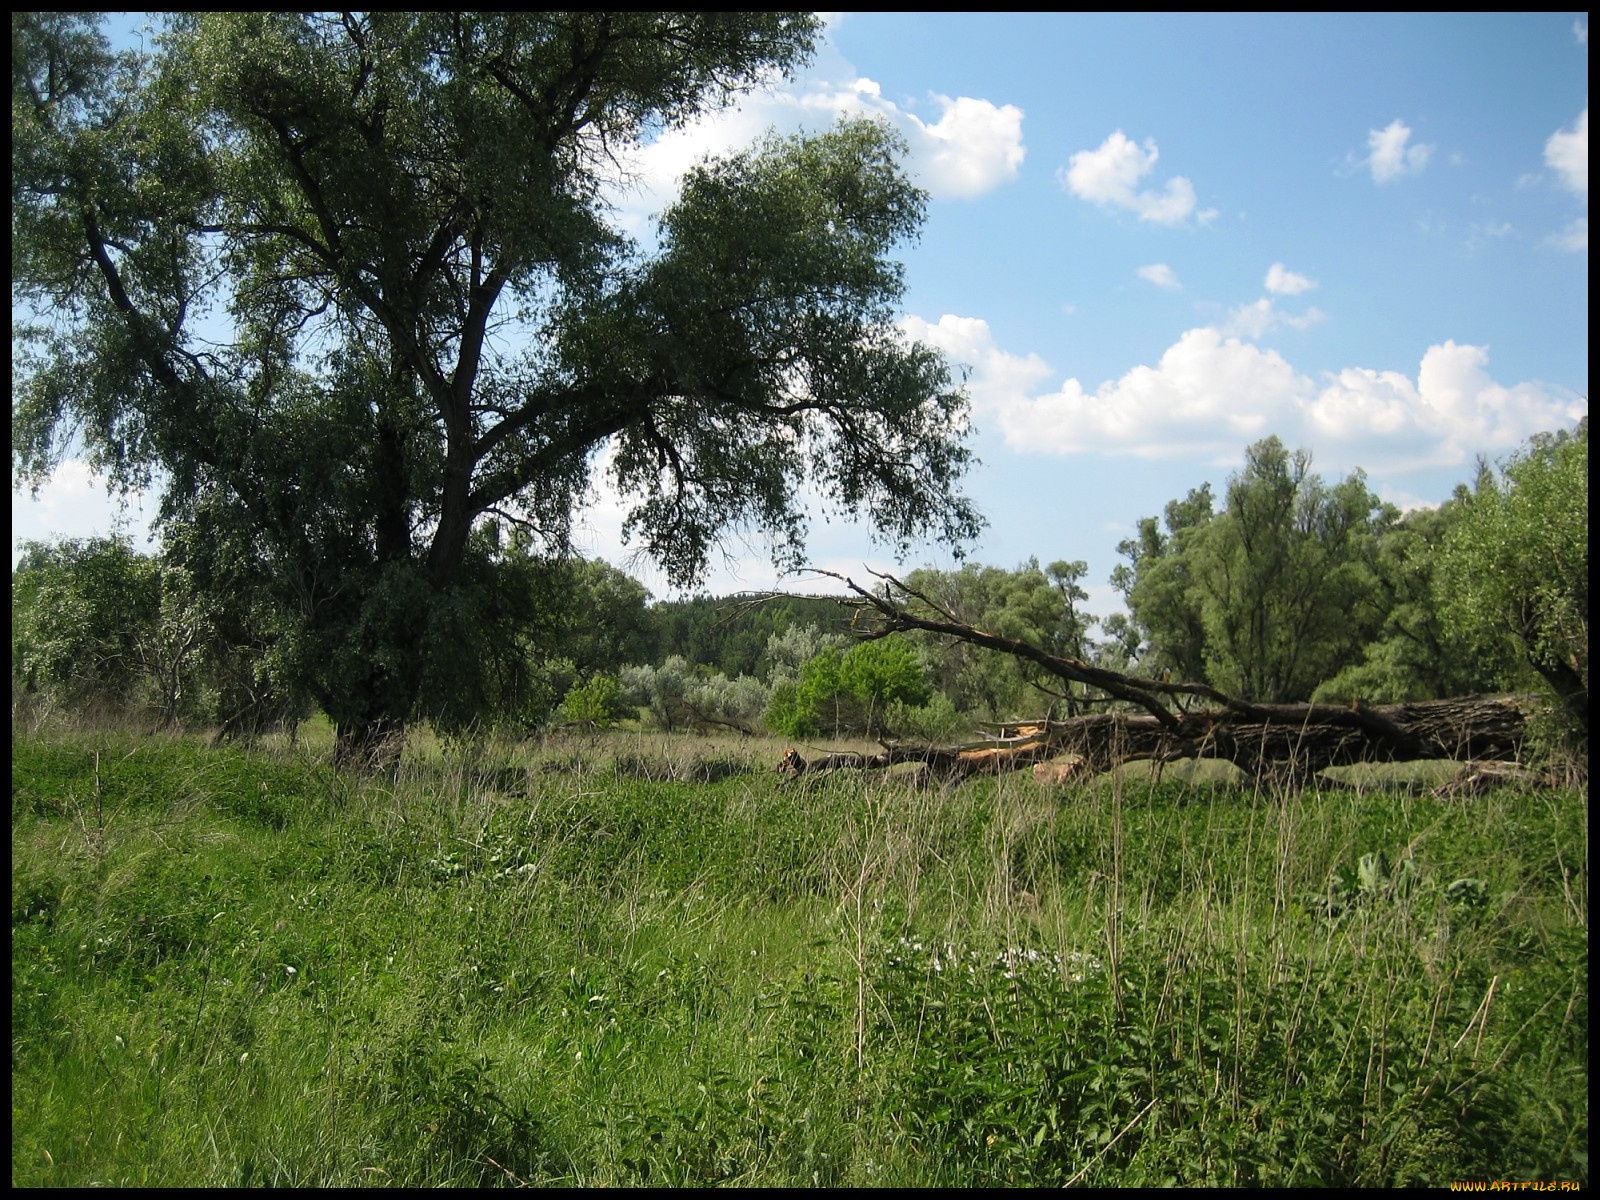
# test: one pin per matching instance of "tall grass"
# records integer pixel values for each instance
(620, 962)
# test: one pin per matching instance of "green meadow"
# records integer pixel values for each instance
(619, 962)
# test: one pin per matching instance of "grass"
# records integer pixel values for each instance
(640, 962)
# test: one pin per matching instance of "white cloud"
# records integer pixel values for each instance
(1452, 411)
(1211, 394)
(1391, 157)
(973, 148)
(1109, 176)
(1260, 318)
(1574, 236)
(1283, 282)
(993, 376)
(1567, 154)
(1207, 395)
(73, 503)
(1159, 274)
(1580, 32)
(1251, 320)
(652, 175)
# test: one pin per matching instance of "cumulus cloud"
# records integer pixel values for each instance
(1392, 158)
(1283, 282)
(1159, 274)
(973, 148)
(1580, 32)
(1110, 176)
(1567, 154)
(1210, 394)
(993, 376)
(1451, 411)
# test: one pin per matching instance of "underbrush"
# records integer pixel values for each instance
(613, 964)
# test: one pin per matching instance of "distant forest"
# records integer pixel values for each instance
(1280, 588)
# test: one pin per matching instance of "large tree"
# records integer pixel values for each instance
(347, 284)
(1273, 595)
(1514, 577)
(1419, 653)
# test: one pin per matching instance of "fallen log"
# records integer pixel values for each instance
(945, 762)
(1153, 720)
(1282, 743)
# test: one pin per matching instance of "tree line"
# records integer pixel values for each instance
(350, 287)
(1282, 588)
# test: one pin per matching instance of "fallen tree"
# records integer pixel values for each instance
(1161, 721)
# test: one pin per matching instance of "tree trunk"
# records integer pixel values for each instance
(369, 745)
(1280, 743)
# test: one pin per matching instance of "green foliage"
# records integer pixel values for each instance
(785, 713)
(738, 703)
(1033, 604)
(731, 635)
(1167, 634)
(1273, 595)
(1516, 566)
(234, 968)
(419, 316)
(1029, 1072)
(661, 691)
(597, 702)
(537, 629)
(1419, 654)
(852, 691)
(85, 617)
(934, 722)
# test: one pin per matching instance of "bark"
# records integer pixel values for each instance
(1288, 743)
(372, 745)
(1160, 721)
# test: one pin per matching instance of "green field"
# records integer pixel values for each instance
(646, 963)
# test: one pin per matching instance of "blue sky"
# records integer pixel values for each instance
(1153, 240)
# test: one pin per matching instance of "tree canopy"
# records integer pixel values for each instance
(1038, 605)
(347, 284)
(1273, 595)
(83, 616)
(1515, 568)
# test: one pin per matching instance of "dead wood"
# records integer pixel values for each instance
(1476, 778)
(1151, 720)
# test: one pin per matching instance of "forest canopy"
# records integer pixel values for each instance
(347, 284)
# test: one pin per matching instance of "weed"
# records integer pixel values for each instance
(233, 967)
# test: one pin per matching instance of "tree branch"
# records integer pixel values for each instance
(1290, 742)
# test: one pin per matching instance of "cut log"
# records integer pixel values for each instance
(1151, 720)
(943, 762)
(1286, 743)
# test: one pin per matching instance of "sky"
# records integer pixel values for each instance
(1153, 240)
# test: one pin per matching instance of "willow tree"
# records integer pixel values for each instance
(1273, 595)
(1514, 576)
(347, 287)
